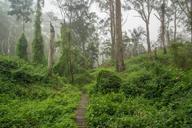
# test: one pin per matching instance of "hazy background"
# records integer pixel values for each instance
(130, 18)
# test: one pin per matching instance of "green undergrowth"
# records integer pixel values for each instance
(31, 99)
(153, 93)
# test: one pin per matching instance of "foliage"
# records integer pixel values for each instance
(28, 100)
(107, 82)
(154, 93)
(21, 49)
(83, 78)
(22, 9)
(37, 106)
(18, 71)
(182, 54)
(38, 56)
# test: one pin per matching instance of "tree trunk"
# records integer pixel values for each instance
(168, 37)
(163, 27)
(23, 24)
(191, 20)
(148, 38)
(70, 53)
(120, 66)
(112, 17)
(51, 49)
(175, 25)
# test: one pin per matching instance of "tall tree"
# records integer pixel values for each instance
(77, 32)
(144, 9)
(51, 49)
(108, 6)
(113, 33)
(120, 66)
(186, 7)
(161, 8)
(37, 45)
(163, 26)
(22, 9)
(176, 12)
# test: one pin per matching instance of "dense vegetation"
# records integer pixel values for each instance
(30, 99)
(153, 93)
(82, 63)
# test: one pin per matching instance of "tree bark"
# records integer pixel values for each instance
(51, 49)
(175, 25)
(120, 66)
(163, 27)
(112, 17)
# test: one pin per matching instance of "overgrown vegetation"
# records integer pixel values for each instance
(21, 48)
(154, 93)
(135, 79)
(30, 99)
(38, 56)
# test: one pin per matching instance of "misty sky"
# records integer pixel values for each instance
(130, 19)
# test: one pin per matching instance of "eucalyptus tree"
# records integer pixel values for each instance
(76, 32)
(22, 9)
(176, 14)
(161, 9)
(119, 50)
(144, 8)
(186, 7)
(108, 7)
(51, 49)
(5, 22)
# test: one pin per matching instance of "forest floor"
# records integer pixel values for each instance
(81, 111)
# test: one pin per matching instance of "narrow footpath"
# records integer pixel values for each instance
(81, 111)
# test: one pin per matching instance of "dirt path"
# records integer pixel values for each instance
(81, 110)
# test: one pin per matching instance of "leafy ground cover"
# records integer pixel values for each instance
(154, 93)
(29, 99)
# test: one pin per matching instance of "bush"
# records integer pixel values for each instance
(182, 54)
(83, 78)
(18, 71)
(137, 83)
(107, 82)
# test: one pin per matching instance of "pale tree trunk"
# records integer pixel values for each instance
(112, 17)
(163, 27)
(8, 43)
(175, 25)
(51, 49)
(120, 66)
(23, 24)
(70, 52)
(148, 38)
(168, 37)
(191, 20)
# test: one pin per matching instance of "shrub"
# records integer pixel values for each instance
(19, 71)
(107, 82)
(182, 54)
(83, 78)
(136, 84)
